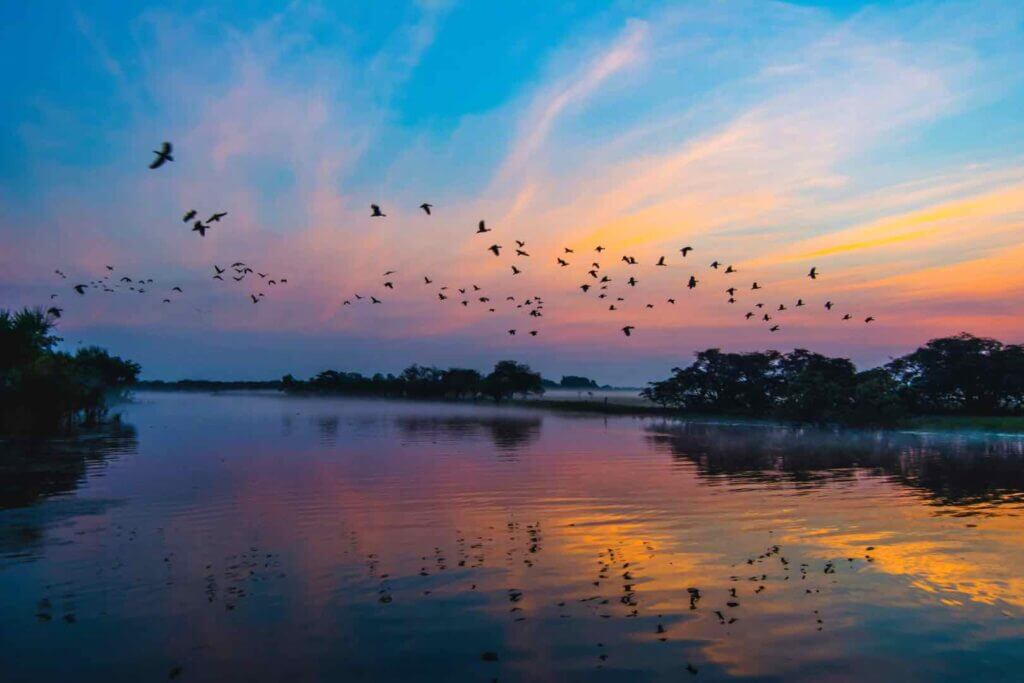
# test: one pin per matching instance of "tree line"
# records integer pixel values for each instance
(43, 390)
(958, 375)
(508, 379)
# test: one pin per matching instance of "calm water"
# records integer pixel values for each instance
(262, 538)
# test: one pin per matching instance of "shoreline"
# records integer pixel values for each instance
(994, 425)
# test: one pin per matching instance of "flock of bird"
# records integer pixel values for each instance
(600, 285)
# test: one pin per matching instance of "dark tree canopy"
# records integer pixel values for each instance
(47, 391)
(960, 375)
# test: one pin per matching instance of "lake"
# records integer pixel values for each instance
(256, 537)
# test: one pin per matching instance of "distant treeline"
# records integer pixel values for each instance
(45, 391)
(508, 379)
(207, 385)
(960, 375)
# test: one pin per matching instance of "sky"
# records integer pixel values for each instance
(881, 143)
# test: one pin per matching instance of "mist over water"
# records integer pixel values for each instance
(248, 536)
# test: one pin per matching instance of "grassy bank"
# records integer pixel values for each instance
(937, 423)
(957, 423)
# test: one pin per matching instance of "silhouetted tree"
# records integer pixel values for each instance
(43, 390)
(960, 374)
(510, 378)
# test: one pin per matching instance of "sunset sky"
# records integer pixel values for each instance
(882, 144)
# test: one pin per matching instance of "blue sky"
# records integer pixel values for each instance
(881, 141)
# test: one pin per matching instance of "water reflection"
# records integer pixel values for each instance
(33, 470)
(507, 433)
(949, 469)
(261, 537)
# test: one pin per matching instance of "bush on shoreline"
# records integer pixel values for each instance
(45, 391)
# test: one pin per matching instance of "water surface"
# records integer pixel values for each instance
(261, 538)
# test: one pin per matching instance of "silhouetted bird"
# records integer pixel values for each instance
(200, 228)
(374, 300)
(755, 286)
(799, 302)
(54, 311)
(515, 271)
(715, 264)
(632, 281)
(254, 298)
(813, 274)
(686, 250)
(496, 248)
(599, 249)
(164, 154)
(585, 288)
(562, 262)
(389, 285)
(520, 252)
(426, 207)
(376, 212)
(671, 301)
(868, 319)
(533, 333)
(511, 331)
(215, 218)
(773, 328)
(167, 301)
(847, 316)
(749, 315)
(628, 330)
(661, 261)
(426, 280)
(176, 289)
(189, 215)
(482, 228)
(692, 283)
(80, 289)
(218, 269)
(828, 305)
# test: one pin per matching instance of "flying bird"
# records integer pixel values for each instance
(189, 215)
(515, 271)
(54, 311)
(828, 305)
(80, 289)
(628, 330)
(376, 212)
(868, 319)
(215, 218)
(255, 299)
(496, 248)
(813, 274)
(692, 283)
(686, 250)
(661, 261)
(164, 154)
(482, 228)
(374, 300)
(176, 289)
(426, 207)
(200, 228)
